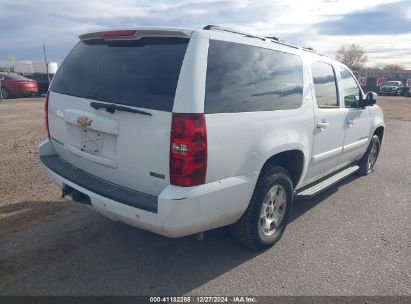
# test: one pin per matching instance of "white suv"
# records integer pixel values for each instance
(179, 131)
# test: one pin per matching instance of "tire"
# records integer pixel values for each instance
(5, 93)
(367, 162)
(257, 228)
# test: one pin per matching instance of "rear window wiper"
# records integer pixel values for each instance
(111, 108)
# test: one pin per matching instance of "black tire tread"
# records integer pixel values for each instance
(363, 170)
(242, 229)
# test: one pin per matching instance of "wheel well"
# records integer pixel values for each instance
(379, 132)
(292, 161)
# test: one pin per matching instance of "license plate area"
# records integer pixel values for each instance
(91, 141)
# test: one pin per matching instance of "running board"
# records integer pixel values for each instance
(313, 190)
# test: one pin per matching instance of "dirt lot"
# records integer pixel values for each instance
(354, 241)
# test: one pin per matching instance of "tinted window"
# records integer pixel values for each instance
(351, 91)
(243, 78)
(141, 73)
(324, 84)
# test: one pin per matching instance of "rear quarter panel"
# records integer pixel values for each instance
(240, 143)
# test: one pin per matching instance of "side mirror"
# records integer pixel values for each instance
(370, 99)
(1, 78)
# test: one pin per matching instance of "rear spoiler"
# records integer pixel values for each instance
(137, 33)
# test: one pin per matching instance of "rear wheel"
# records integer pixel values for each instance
(266, 217)
(367, 162)
(5, 93)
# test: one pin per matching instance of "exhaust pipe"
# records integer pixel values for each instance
(66, 191)
(79, 197)
(76, 196)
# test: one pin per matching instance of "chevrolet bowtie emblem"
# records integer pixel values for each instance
(84, 121)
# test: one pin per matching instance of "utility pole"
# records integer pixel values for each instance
(47, 64)
(1, 90)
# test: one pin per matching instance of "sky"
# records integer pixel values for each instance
(383, 28)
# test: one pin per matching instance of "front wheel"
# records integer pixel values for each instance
(367, 162)
(266, 217)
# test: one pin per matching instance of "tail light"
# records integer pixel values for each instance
(188, 150)
(46, 116)
(121, 33)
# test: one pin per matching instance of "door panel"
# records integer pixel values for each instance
(358, 120)
(327, 144)
(329, 123)
(357, 130)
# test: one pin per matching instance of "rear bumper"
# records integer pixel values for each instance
(177, 211)
(29, 92)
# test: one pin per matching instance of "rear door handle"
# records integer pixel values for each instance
(323, 125)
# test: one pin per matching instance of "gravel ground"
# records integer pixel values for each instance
(353, 239)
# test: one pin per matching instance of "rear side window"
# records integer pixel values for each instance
(242, 78)
(141, 73)
(324, 85)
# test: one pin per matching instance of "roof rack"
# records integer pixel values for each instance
(264, 38)
(276, 40)
(272, 38)
(311, 50)
(211, 27)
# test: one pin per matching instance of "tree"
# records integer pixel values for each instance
(392, 68)
(352, 55)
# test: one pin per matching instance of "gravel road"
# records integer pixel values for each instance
(353, 239)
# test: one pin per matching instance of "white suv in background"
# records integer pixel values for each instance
(179, 131)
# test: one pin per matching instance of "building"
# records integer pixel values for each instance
(28, 67)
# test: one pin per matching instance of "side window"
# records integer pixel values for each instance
(243, 78)
(351, 91)
(324, 85)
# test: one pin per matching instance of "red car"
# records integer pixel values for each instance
(16, 85)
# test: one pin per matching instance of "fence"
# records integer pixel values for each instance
(372, 81)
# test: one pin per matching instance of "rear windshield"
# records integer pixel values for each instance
(140, 73)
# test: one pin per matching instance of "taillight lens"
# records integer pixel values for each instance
(121, 33)
(46, 114)
(188, 150)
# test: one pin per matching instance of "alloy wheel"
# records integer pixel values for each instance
(273, 210)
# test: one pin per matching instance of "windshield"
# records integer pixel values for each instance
(140, 73)
(392, 83)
